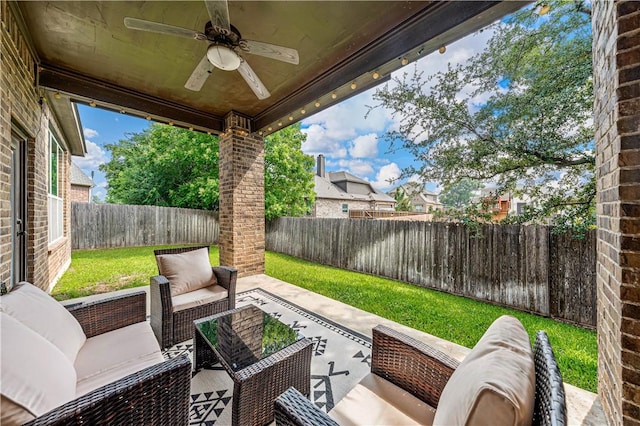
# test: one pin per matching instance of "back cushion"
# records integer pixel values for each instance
(186, 271)
(36, 376)
(495, 383)
(44, 315)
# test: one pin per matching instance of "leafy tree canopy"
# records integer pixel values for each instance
(403, 202)
(458, 194)
(517, 114)
(288, 174)
(164, 166)
(174, 167)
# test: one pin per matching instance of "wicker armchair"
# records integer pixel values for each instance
(159, 394)
(423, 371)
(173, 326)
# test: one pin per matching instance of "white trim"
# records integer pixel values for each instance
(61, 272)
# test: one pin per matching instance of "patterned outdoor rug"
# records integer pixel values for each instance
(341, 357)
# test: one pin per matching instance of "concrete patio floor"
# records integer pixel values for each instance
(583, 407)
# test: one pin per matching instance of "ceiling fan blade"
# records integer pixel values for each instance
(252, 80)
(199, 75)
(218, 12)
(272, 51)
(156, 27)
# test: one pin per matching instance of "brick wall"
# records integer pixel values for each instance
(241, 198)
(616, 56)
(80, 194)
(333, 208)
(21, 107)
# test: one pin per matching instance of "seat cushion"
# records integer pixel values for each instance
(375, 401)
(108, 357)
(186, 271)
(495, 383)
(199, 297)
(36, 376)
(43, 314)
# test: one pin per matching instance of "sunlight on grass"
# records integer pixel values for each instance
(102, 271)
(450, 317)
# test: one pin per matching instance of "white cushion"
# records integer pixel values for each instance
(495, 383)
(108, 357)
(375, 401)
(34, 373)
(186, 271)
(198, 297)
(44, 315)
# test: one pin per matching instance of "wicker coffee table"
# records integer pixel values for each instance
(263, 356)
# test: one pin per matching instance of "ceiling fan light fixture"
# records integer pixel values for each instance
(223, 57)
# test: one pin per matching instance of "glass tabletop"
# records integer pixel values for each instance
(246, 336)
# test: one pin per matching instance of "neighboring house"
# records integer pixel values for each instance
(501, 205)
(81, 185)
(339, 192)
(422, 200)
(41, 131)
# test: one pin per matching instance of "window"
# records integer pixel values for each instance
(56, 156)
(418, 207)
(345, 208)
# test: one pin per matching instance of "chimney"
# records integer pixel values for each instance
(320, 166)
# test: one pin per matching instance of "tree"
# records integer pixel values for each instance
(288, 174)
(174, 167)
(517, 114)
(458, 194)
(403, 202)
(164, 166)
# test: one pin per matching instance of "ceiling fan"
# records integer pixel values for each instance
(225, 46)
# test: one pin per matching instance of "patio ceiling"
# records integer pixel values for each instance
(87, 55)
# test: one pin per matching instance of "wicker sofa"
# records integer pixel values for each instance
(500, 382)
(186, 289)
(92, 363)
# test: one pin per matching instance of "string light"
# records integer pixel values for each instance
(92, 103)
(404, 61)
(122, 111)
(317, 104)
(376, 75)
(279, 123)
(191, 128)
(270, 129)
(442, 49)
(171, 123)
(303, 111)
(148, 117)
(353, 85)
(333, 95)
(57, 95)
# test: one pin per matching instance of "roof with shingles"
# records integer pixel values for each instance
(78, 177)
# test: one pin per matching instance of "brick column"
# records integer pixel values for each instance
(616, 54)
(241, 197)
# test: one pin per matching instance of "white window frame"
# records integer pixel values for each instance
(55, 201)
(345, 208)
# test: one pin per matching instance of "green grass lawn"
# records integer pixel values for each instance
(453, 318)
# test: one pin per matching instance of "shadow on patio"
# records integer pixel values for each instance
(335, 370)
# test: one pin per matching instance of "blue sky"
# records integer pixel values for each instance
(348, 140)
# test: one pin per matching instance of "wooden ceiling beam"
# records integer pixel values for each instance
(55, 78)
(458, 17)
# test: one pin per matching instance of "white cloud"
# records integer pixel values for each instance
(355, 167)
(365, 146)
(90, 133)
(94, 157)
(386, 177)
(318, 142)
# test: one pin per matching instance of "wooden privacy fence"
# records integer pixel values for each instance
(524, 267)
(96, 225)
